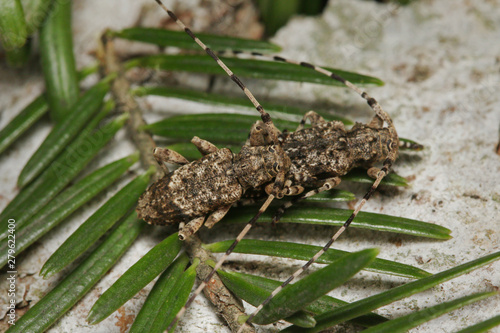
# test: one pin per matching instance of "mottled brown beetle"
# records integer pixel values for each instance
(318, 156)
(209, 186)
(324, 152)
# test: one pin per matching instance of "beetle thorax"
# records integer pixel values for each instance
(368, 145)
(256, 166)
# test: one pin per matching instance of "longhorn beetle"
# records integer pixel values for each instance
(362, 145)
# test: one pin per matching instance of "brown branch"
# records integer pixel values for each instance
(127, 104)
(229, 306)
(226, 304)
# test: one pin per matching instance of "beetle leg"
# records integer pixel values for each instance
(328, 184)
(191, 227)
(164, 155)
(216, 216)
(204, 147)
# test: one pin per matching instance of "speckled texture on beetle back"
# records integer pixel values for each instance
(203, 186)
(328, 150)
(193, 190)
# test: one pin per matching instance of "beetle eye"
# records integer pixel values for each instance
(271, 149)
(276, 167)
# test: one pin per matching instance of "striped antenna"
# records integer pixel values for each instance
(370, 100)
(268, 123)
(391, 157)
(266, 118)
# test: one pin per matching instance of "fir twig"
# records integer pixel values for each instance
(228, 306)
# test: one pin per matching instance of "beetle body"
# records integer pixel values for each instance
(209, 186)
(329, 150)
